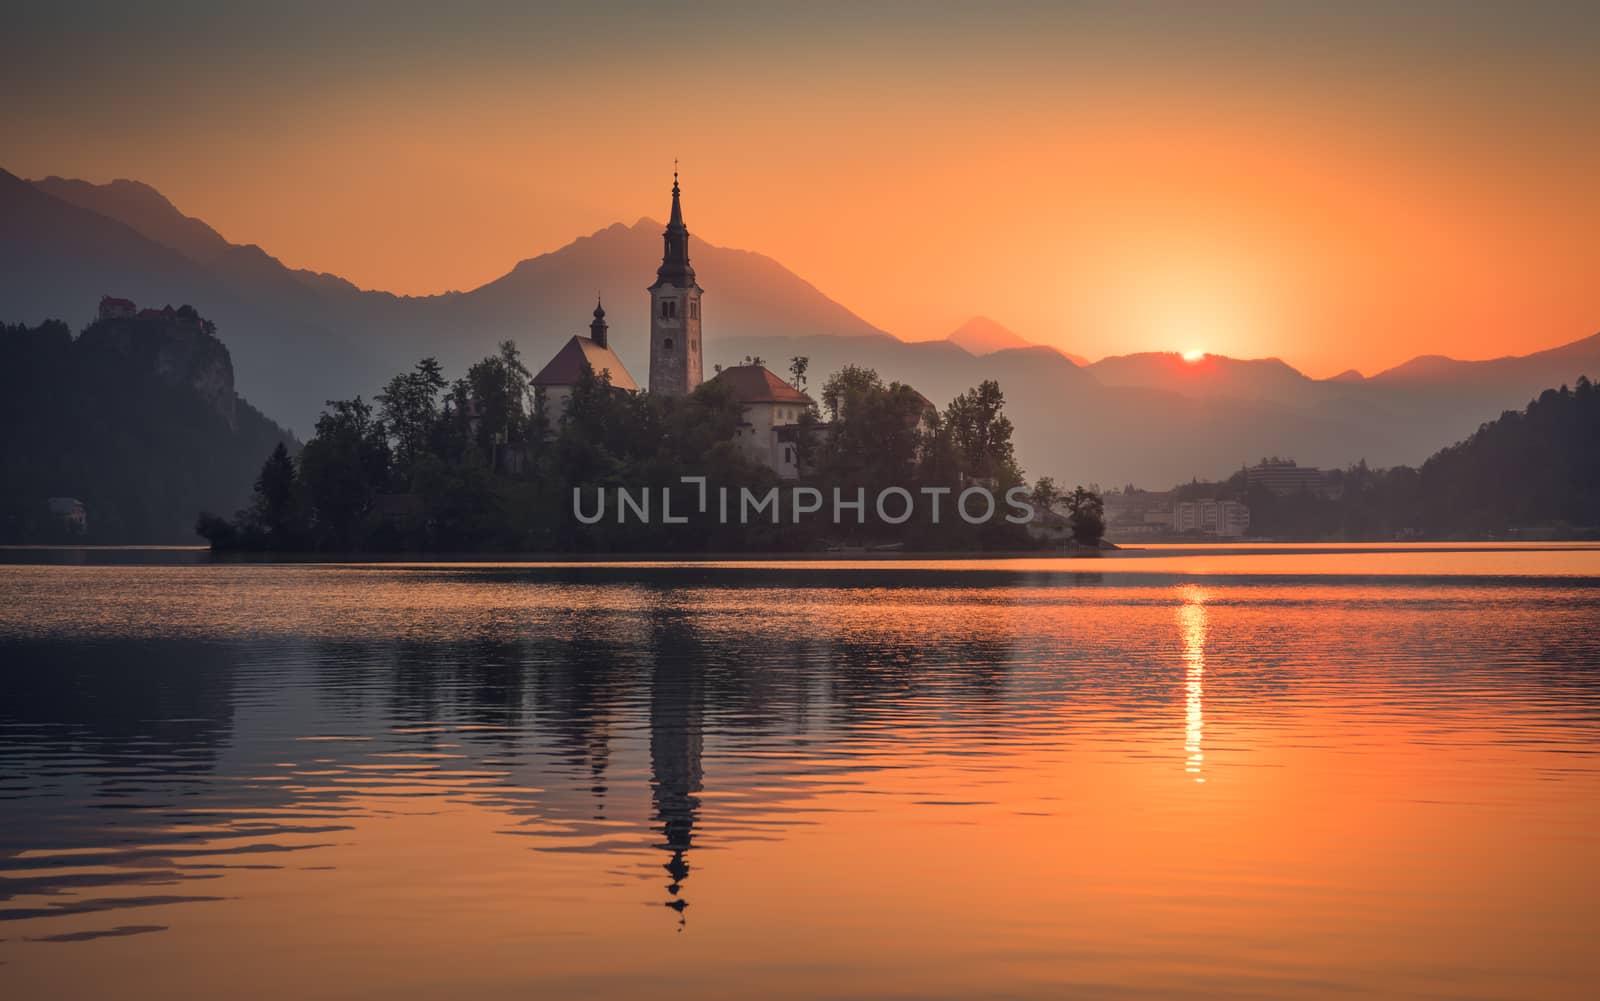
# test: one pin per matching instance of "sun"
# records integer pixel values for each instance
(1193, 355)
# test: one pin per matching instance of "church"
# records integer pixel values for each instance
(772, 406)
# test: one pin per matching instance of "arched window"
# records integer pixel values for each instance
(694, 310)
(669, 309)
(667, 344)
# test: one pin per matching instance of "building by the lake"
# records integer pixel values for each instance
(676, 366)
(1283, 477)
(768, 434)
(1225, 519)
(772, 407)
(562, 372)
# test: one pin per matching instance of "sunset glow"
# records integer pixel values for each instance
(833, 500)
(1360, 193)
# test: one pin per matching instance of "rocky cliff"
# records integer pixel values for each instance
(177, 346)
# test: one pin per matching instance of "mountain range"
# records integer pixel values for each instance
(299, 338)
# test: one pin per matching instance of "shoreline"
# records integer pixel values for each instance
(170, 555)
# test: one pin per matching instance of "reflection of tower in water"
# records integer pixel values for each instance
(1192, 626)
(677, 705)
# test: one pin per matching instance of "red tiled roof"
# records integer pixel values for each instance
(758, 384)
(565, 367)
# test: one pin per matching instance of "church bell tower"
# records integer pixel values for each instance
(675, 365)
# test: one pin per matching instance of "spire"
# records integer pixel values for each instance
(677, 209)
(597, 329)
(675, 269)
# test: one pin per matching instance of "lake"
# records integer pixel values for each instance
(1256, 772)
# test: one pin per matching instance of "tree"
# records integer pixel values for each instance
(797, 371)
(1045, 493)
(275, 508)
(410, 409)
(846, 387)
(982, 433)
(495, 399)
(1087, 516)
(539, 426)
(876, 435)
(343, 466)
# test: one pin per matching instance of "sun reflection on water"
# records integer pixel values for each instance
(1192, 622)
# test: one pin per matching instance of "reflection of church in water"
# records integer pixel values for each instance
(617, 721)
(677, 710)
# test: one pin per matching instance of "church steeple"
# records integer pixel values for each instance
(675, 356)
(675, 269)
(597, 328)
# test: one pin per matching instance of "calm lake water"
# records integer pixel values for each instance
(1265, 772)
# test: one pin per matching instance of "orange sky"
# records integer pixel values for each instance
(1338, 190)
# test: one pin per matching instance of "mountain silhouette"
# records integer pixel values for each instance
(1071, 426)
(983, 336)
(1438, 372)
(148, 211)
(1208, 376)
(299, 338)
(1164, 424)
(145, 209)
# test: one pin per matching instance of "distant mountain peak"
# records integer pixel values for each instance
(981, 336)
(142, 207)
(1210, 376)
(122, 186)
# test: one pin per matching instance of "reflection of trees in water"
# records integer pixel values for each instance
(105, 723)
(967, 659)
(580, 688)
(166, 697)
(348, 677)
(547, 709)
(107, 755)
(601, 709)
(551, 710)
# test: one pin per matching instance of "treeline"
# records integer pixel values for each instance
(1533, 473)
(1538, 469)
(135, 418)
(484, 464)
